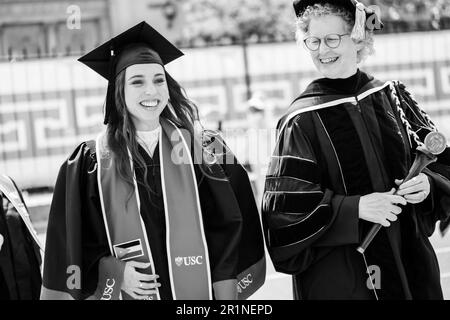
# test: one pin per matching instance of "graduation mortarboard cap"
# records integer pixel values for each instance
(125, 52)
(137, 45)
(365, 17)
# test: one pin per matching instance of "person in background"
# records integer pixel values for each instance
(20, 249)
(258, 133)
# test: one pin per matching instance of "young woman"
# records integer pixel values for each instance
(139, 214)
(344, 145)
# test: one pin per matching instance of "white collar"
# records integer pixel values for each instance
(149, 139)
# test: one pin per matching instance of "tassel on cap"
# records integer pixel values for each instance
(109, 102)
(359, 30)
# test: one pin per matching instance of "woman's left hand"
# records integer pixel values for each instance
(1, 241)
(415, 190)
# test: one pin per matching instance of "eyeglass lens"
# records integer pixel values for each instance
(331, 40)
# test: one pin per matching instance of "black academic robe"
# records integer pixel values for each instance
(76, 218)
(20, 258)
(326, 158)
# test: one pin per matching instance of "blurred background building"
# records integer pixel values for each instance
(49, 102)
(39, 28)
(49, 27)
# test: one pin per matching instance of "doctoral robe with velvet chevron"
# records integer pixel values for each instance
(341, 140)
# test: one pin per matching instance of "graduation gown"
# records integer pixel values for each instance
(339, 141)
(76, 219)
(20, 258)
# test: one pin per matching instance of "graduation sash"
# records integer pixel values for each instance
(252, 262)
(9, 189)
(187, 250)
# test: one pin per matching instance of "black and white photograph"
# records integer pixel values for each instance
(245, 151)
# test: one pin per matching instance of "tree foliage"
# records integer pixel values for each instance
(236, 20)
(233, 21)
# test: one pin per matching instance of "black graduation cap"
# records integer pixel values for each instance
(360, 12)
(139, 44)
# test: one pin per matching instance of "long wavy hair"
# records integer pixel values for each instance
(121, 131)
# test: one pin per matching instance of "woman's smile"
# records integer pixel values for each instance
(328, 60)
(149, 103)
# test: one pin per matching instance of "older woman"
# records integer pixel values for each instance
(139, 214)
(343, 148)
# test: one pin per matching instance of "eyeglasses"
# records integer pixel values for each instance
(331, 40)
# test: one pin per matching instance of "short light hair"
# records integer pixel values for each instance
(317, 10)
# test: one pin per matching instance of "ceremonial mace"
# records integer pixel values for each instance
(434, 144)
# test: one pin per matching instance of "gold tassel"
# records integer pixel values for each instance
(359, 30)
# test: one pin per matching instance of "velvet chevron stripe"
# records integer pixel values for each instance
(301, 230)
(294, 167)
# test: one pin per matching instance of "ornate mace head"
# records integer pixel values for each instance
(435, 142)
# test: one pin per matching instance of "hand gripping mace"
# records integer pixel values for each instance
(434, 144)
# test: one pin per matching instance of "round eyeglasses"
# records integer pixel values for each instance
(331, 40)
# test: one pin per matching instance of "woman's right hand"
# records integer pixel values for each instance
(380, 207)
(139, 285)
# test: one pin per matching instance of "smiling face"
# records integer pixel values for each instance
(340, 62)
(146, 94)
